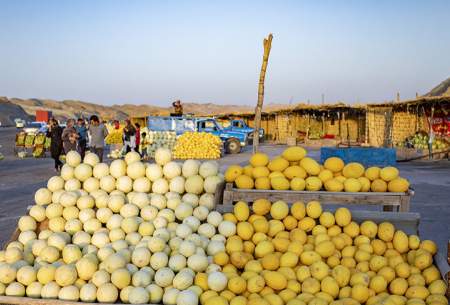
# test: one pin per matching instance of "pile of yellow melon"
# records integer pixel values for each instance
(303, 255)
(197, 145)
(293, 170)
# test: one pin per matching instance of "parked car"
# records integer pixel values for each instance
(20, 123)
(241, 126)
(35, 127)
(233, 141)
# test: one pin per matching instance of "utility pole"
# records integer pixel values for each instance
(267, 43)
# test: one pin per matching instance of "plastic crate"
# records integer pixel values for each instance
(368, 156)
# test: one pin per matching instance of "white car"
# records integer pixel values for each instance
(19, 123)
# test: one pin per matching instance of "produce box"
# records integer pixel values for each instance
(38, 151)
(29, 140)
(20, 139)
(408, 222)
(48, 142)
(368, 156)
(389, 201)
(39, 139)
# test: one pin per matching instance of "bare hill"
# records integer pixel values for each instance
(443, 89)
(10, 111)
(73, 108)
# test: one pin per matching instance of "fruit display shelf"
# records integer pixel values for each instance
(389, 201)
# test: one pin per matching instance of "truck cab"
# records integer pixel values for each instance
(241, 126)
(233, 141)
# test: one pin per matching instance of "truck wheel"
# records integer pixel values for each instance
(233, 146)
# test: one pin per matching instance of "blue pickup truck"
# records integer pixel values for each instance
(241, 126)
(233, 141)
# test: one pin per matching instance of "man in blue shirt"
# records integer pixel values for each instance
(82, 136)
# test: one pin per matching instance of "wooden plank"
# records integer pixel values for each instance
(399, 201)
(408, 222)
(218, 195)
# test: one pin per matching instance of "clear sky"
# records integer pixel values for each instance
(151, 52)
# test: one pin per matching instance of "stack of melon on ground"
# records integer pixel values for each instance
(293, 170)
(303, 255)
(198, 145)
(158, 139)
(129, 232)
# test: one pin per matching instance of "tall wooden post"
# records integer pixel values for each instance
(262, 75)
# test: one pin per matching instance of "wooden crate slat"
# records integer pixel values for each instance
(398, 200)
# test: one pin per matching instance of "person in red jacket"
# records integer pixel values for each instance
(138, 136)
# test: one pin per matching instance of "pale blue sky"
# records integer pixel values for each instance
(151, 52)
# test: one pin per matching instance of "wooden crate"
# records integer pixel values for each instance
(389, 201)
(408, 222)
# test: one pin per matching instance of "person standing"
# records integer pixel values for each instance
(137, 137)
(129, 136)
(56, 145)
(69, 137)
(430, 143)
(97, 133)
(144, 145)
(82, 136)
(177, 108)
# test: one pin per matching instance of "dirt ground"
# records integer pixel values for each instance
(20, 178)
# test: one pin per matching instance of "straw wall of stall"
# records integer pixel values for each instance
(279, 126)
(404, 124)
(376, 121)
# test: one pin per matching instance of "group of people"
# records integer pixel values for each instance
(131, 136)
(76, 136)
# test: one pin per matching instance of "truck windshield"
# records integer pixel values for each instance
(238, 124)
(208, 126)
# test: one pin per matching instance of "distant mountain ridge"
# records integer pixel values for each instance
(73, 108)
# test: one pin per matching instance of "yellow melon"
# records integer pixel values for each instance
(352, 185)
(313, 184)
(378, 185)
(334, 185)
(260, 171)
(298, 184)
(334, 164)
(233, 172)
(279, 183)
(325, 175)
(353, 170)
(399, 185)
(372, 173)
(259, 159)
(278, 164)
(261, 206)
(365, 184)
(389, 173)
(294, 171)
(275, 174)
(244, 182)
(294, 153)
(311, 166)
(248, 170)
(262, 183)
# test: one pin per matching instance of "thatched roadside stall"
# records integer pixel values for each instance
(310, 124)
(391, 124)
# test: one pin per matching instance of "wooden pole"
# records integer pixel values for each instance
(262, 75)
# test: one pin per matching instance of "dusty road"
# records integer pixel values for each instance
(19, 178)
